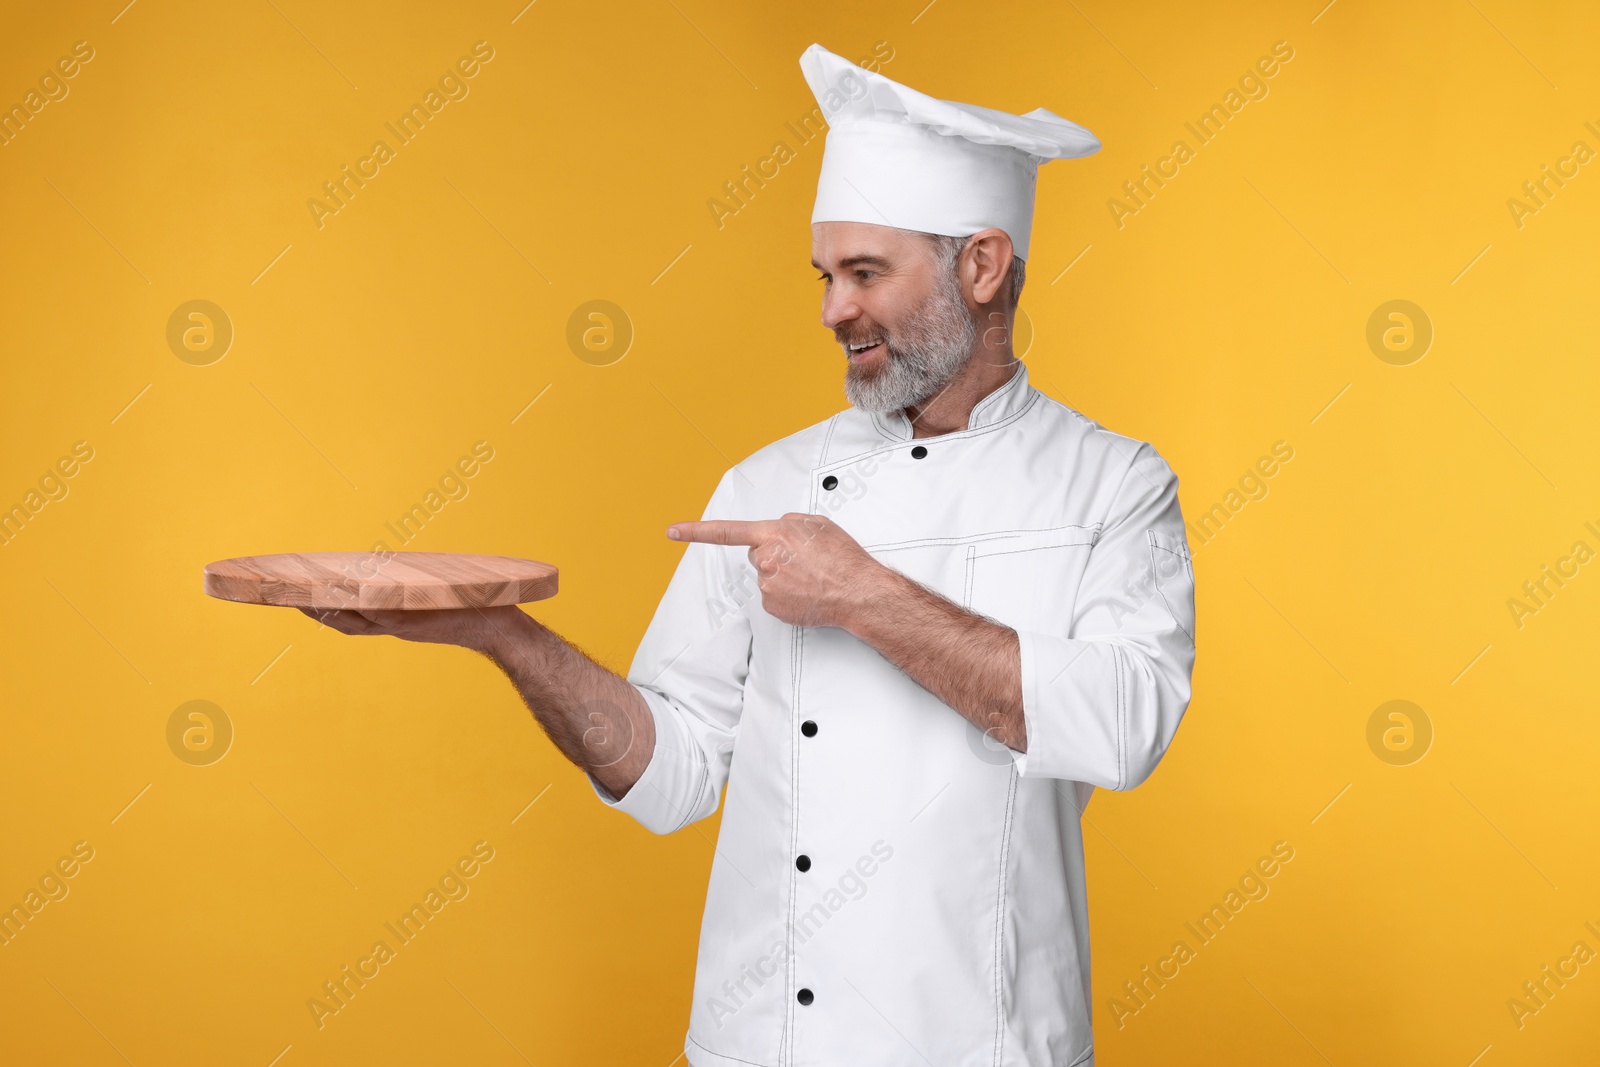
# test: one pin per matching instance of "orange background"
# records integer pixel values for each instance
(1229, 313)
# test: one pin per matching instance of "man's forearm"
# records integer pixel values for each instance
(969, 662)
(597, 718)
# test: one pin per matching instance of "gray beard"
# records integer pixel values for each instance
(922, 355)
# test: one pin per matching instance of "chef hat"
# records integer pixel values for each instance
(896, 157)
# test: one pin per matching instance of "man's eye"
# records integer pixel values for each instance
(822, 277)
(864, 274)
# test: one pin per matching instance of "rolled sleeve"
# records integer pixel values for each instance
(676, 769)
(1102, 704)
(690, 668)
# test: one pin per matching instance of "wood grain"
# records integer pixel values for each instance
(402, 581)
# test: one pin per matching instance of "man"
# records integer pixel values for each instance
(910, 639)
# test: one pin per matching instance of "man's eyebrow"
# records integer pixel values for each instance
(857, 260)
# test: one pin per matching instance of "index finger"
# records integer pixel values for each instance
(719, 531)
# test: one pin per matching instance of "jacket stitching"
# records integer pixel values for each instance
(724, 1055)
(1035, 548)
(992, 400)
(699, 790)
(999, 922)
(702, 766)
(1115, 496)
(959, 435)
(786, 1035)
(966, 592)
(1122, 721)
(1155, 580)
(1066, 537)
(1124, 667)
(1127, 715)
(885, 434)
(827, 439)
(798, 661)
(1093, 530)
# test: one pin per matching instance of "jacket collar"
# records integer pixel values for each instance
(1009, 399)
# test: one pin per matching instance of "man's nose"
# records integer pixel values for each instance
(837, 307)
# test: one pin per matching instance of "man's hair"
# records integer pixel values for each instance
(946, 249)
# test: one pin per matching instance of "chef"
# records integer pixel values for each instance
(910, 639)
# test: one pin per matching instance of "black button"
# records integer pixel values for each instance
(804, 996)
(919, 452)
(829, 482)
(808, 728)
(803, 862)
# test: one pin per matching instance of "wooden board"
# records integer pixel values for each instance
(403, 581)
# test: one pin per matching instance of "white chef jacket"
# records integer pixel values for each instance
(890, 886)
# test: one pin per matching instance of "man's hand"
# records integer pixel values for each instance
(810, 572)
(473, 628)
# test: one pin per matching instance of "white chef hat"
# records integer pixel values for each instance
(897, 157)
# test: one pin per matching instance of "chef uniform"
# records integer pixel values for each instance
(890, 885)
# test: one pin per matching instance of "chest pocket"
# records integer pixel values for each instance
(1028, 579)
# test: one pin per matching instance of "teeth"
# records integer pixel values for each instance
(867, 344)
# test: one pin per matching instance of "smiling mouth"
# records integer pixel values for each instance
(858, 353)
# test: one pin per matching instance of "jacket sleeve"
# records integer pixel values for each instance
(1102, 704)
(691, 668)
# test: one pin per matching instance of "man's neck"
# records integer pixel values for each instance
(948, 410)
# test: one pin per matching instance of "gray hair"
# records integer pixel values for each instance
(946, 249)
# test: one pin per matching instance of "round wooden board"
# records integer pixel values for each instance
(394, 581)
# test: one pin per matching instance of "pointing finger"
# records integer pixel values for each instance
(719, 532)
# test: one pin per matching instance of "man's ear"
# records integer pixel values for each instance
(986, 259)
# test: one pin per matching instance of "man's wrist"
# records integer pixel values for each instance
(876, 601)
(497, 632)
